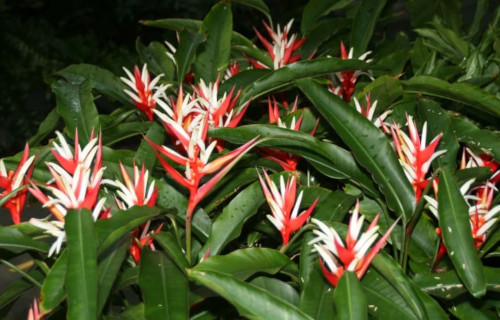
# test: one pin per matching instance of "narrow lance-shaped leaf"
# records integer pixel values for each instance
(186, 52)
(455, 226)
(368, 143)
(53, 292)
(364, 23)
(81, 276)
(349, 298)
(17, 242)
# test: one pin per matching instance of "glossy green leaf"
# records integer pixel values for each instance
(315, 9)
(473, 309)
(455, 227)
(316, 298)
(102, 80)
(278, 288)
(243, 263)
(75, 104)
(257, 4)
(448, 285)
(174, 24)
(250, 300)
(303, 69)
(121, 223)
(164, 287)
(185, 54)
(483, 141)
(328, 158)
(46, 127)
(124, 131)
(213, 57)
(145, 154)
(17, 242)
(81, 275)
(384, 89)
(108, 270)
(243, 79)
(127, 278)
(156, 58)
(322, 32)
(364, 24)
(349, 298)
(169, 243)
(368, 144)
(53, 291)
(417, 301)
(132, 312)
(477, 98)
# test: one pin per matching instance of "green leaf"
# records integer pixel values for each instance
(478, 99)
(108, 270)
(102, 80)
(257, 4)
(145, 154)
(243, 79)
(169, 243)
(315, 9)
(81, 275)
(384, 89)
(368, 143)
(124, 131)
(364, 24)
(322, 32)
(46, 127)
(316, 298)
(156, 58)
(76, 106)
(250, 300)
(481, 11)
(14, 240)
(448, 285)
(243, 263)
(328, 158)
(213, 58)
(174, 24)
(121, 223)
(302, 69)
(277, 288)
(483, 141)
(129, 313)
(16, 289)
(186, 52)
(53, 292)
(349, 298)
(164, 287)
(423, 11)
(127, 278)
(455, 227)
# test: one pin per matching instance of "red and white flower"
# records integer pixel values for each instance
(145, 91)
(284, 205)
(355, 255)
(281, 49)
(368, 111)
(414, 156)
(12, 180)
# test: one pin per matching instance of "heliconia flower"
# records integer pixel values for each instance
(368, 112)
(414, 156)
(34, 312)
(145, 91)
(145, 240)
(472, 160)
(134, 192)
(355, 255)
(347, 79)
(70, 161)
(232, 69)
(12, 180)
(76, 190)
(281, 49)
(195, 158)
(284, 206)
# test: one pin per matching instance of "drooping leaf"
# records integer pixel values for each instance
(53, 291)
(483, 141)
(81, 275)
(17, 242)
(164, 287)
(364, 24)
(76, 106)
(213, 58)
(349, 298)
(455, 227)
(368, 144)
(250, 300)
(243, 263)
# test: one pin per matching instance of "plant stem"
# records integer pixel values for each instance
(295, 236)
(189, 219)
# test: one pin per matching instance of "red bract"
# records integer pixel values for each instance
(414, 156)
(232, 69)
(368, 111)
(355, 255)
(34, 312)
(284, 207)
(281, 49)
(145, 92)
(11, 180)
(145, 240)
(347, 79)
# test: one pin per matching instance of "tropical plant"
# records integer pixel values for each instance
(286, 174)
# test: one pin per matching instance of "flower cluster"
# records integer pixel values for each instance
(355, 255)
